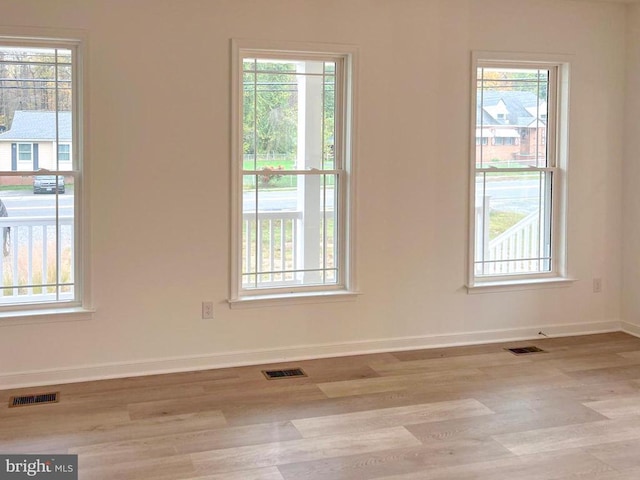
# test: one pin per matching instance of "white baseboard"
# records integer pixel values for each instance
(631, 329)
(289, 354)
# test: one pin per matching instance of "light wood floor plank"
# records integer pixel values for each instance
(237, 394)
(498, 358)
(609, 374)
(167, 468)
(388, 417)
(617, 407)
(516, 420)
(399, 382)
(191, 442)
(65, 437)
(549, 466)
(421, 459)
(268, 473)
(279, 412)
(621, 455)
(571, 436)
(632, 474)
(274, 454)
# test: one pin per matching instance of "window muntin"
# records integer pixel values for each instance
(39, 102)
(294, 173)
(516, 177)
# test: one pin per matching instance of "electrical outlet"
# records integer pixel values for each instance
(597, 285)
(207, 310)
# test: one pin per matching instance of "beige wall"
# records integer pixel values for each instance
(631, 203)
(160, 236)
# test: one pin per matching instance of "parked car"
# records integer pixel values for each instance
(47, 184)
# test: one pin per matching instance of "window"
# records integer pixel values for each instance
(64, 152)
(40, 104)
(504, 141)
(517, 227)
(25, 152)
(293, 193)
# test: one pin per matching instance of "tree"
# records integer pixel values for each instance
(28, 81)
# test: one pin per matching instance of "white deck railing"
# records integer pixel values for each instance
(513, 251)
(39, 257)
(276, 244)
(520, 244)
(516, 250)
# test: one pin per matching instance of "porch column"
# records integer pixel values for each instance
(310, 114)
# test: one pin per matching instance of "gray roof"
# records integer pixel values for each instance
(516, 102)
(38, 125)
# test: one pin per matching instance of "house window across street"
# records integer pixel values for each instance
(25, 152)
(64, 152)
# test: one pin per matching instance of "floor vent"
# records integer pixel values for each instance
(292, 372)
(38, 399)
(525, 350)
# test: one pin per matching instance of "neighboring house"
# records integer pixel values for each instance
(512, 127)
(30, 143)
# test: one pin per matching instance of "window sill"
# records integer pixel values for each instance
(293, 299)
(45, 315)
(516, 285)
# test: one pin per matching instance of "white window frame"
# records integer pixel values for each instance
(28, 160)
(558, 154)
(345, 288)
(79, 308)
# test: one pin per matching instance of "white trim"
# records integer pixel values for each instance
(519, 284)
(295, 298)
(346, 75)
(46, 315)
(297, 353)
(77, 42)
(54, 37)
(557, 142)
(631, 329)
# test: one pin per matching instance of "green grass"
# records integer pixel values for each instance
(16, 187)
(286, 164)
(500, 221)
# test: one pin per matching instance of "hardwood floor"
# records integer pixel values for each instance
(474, 412)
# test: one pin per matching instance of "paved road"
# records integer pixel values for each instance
(26, 204)
(505, 195)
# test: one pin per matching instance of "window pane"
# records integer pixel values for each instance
(289, 229)
(288, 114)
(276, 120)
(37, 255)
(248, 121)
(290, 239)
(329, 126)
(513, 223)
(511, 117)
